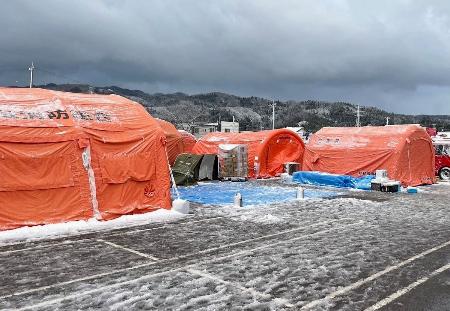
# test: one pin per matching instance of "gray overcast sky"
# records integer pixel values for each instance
(390, 54)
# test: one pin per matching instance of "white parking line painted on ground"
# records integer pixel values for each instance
(95, 232)
(95, 290)
(41, 246)
(250, 251)
(208, 250)
(222, 281)
(217, 279)
(165, 226)
(129, 282)
(128, 250)
(357, 284)
(151, 275)
(87, 278)
(406, 289)
(67, 236)
(212, 249)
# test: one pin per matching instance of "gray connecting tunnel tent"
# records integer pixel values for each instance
(190, 168)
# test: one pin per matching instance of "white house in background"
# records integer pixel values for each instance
(299, 130)
(199, 130)
(229, 127)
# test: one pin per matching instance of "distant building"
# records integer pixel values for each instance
(199, 130)
(229, 127)
(300, 130)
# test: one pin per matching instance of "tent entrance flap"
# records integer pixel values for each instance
(208, 168)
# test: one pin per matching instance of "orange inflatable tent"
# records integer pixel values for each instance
(267, 150)
(66, 156)
(189, 141)
(177, 141)
(405, 151)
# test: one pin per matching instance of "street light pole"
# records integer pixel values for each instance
(358, 117)
(31, 74)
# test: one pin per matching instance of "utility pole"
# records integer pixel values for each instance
(31, 74)
(273, 114)
(219, 124)
(358, 117)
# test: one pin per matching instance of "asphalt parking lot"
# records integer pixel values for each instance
(358, 251)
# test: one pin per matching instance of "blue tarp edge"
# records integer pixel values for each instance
(333, 180)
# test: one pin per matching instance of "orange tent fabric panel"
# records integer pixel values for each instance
(42, 183)
(405, 151)
(267, 150)
(134, 179)
(44, 142)
(174, 140)
(189, 141)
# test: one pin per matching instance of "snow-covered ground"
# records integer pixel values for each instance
(344, 253)
(81, 227)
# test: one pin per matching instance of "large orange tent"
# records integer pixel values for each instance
(267, 150)
(66, 156)
(405, 151)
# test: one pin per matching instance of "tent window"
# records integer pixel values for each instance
(33, 173)
(118, 169)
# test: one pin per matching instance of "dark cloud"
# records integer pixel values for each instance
(390, 54)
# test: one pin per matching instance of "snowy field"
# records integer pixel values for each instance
(356, 251)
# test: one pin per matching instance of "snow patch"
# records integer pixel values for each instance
(355, 202)
(85, 226)
(265, 219)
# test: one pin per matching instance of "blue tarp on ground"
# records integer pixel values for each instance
(222, 193)
(333, 180)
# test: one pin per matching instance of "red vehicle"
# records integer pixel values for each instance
(441, 144)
